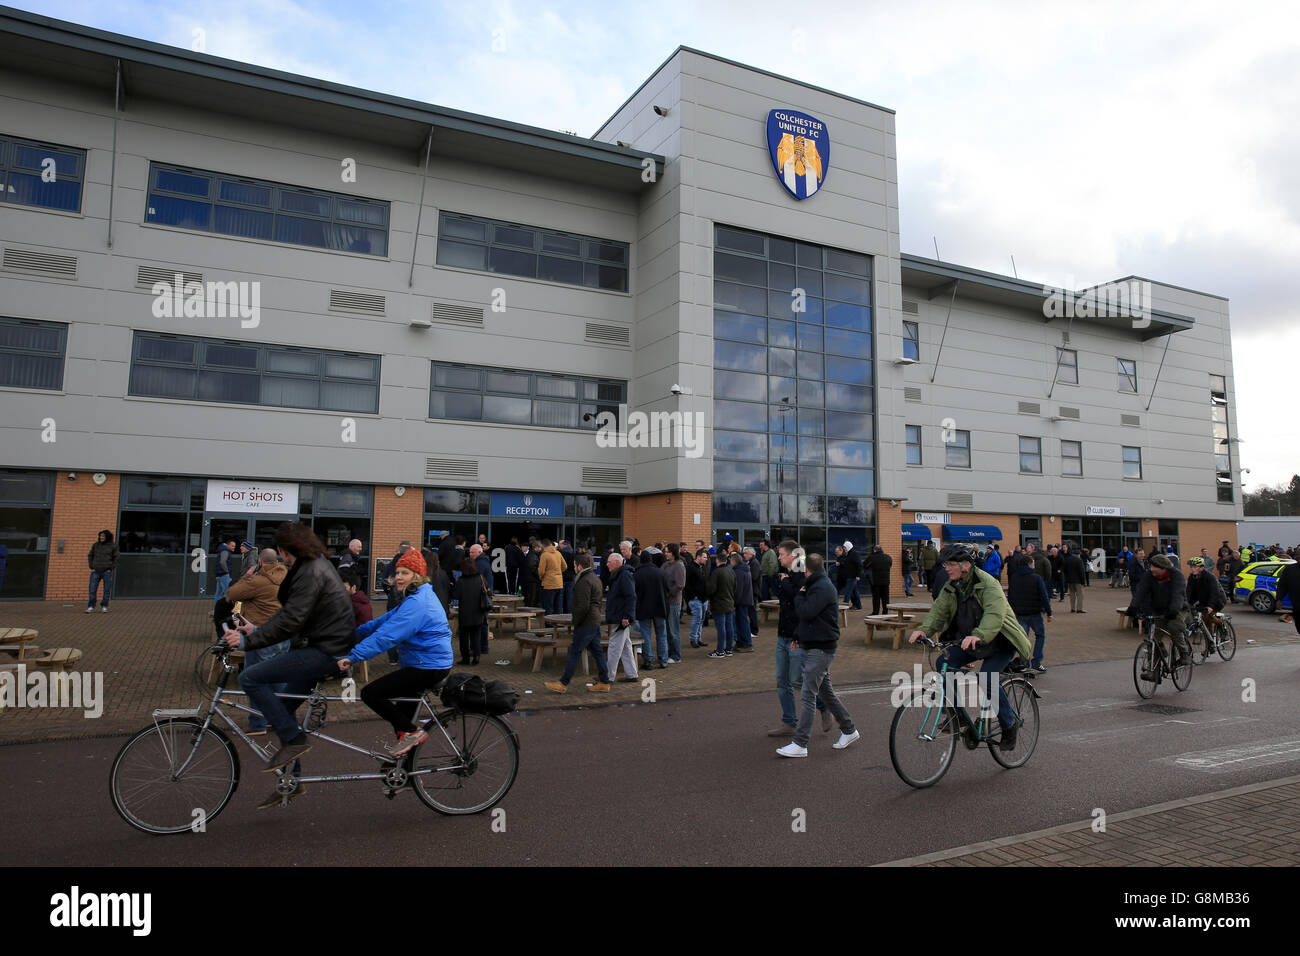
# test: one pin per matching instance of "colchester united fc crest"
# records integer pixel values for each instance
(800, 149)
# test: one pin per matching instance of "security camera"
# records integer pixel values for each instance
(72, 476)
(661, 110)
(676, 389)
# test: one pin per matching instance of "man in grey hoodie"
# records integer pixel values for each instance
(103, 562)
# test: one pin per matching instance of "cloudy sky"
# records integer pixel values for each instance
(1089, 140)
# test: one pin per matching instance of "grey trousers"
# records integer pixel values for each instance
(817, 686)
(620, 648)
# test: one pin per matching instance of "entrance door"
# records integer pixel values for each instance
(225, 527)
(748, 535)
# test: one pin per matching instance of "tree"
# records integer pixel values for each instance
(1279, 499)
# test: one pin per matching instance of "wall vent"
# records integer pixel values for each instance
(462, 315)
(1130, 420)
(961, 500)
(604, 477)
(463, 469)
(41, 263)
(1029, 408)
(911, 308)
(608, 334)
(1069, 413)
(146, 276)
(911, 394)
(363, 302)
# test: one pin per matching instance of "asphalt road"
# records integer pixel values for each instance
(696, 782)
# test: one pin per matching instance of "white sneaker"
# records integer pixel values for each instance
(792, 749)
(104, 609)
(845, 740)
(90, 610)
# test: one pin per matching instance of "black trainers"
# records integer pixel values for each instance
(1009, 735)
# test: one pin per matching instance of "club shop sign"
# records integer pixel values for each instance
(264, 497)
(800, 148)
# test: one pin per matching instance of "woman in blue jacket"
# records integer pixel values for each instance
(419, 630)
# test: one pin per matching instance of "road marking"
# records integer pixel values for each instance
(1114, 733)
(1223, 759)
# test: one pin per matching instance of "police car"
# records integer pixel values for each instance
(1257, 584)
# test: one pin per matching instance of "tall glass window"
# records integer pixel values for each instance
(1222, 441)
(26, 503)
(794, 409)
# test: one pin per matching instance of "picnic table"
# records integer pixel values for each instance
(515, 617)
(769, 607)
(19, 641)
(902, 609)
(559, 624)
(506, 602)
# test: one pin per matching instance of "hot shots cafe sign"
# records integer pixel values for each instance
(264, 497)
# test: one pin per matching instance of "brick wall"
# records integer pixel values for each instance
(889, 534)
(82, 509)
(395, 520)
(1194, 535)
(668, 516)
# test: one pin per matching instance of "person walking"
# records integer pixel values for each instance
(850, 568)
(722, 604)
(1072, 567)
(818, 633)
(789, 655)
(879, 566)
(909, 568)
(103, 562)
(1029, 600)
(620, 612)
(744, 603)
(929, 557)
(674, 571)
(588, 613)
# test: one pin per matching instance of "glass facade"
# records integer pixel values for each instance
(26, 503)
(793, 381)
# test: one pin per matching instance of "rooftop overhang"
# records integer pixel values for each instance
(1120, 305)
(69, 53)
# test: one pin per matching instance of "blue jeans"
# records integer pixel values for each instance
(95, 578)
(584, 638)
(907, 583)
(675, 631)
(697, 621)
(743, 638)
(654, 635)
(789, 678)
(553, 600)
(223, 585)
(256, 656)
(726, 625)
(1033, 623)
(298, 671)
(995, 664)
(850, 594)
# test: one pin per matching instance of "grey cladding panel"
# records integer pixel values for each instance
(146, 276)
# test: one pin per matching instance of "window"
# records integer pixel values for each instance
(41, 175)
(213, 370)
(517, 397)
(957, 450)
(913, 444)
(485, 245)
(1031, 456)
(1222, 442)
(1072, 459)
(1067, 366)
(31, 353)
(1128, 376)
(257, 209)
(911, 341)
(1132, 462)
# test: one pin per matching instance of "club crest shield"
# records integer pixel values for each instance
(800, 148)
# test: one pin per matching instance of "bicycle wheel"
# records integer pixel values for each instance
(1144, 662)
(922, 740)
(1197, 640)
(1182, 675)
(1226, 636)
(149, 794)
(1024, 702)
(473, 759)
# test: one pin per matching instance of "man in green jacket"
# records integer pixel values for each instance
(973, 609)
(928, 558)
(768, 568)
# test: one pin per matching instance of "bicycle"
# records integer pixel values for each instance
(1152, 662)
(1206, 640)
(185, 767)
(923, 735)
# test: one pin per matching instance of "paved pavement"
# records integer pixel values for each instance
(148, 652)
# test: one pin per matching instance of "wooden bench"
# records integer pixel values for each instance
(537, 643)
(60, 658)
(1124, 620)
(769, 608)
(887, 624)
